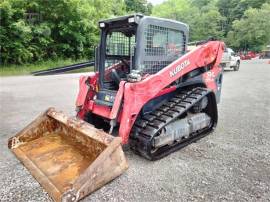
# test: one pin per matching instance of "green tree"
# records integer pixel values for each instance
(208, 24)
(252, 31)
(173, 9)
(234, 10)
(138, 6)
(202, 16)
(34, 30)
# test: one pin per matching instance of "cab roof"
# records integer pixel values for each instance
(136, 19)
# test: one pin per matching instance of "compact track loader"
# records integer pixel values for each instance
(147, 92)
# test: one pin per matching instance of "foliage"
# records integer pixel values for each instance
(251, 31)
(234, 10)
(59, 28)
(138, 6)
(242, 24)
(202, 17)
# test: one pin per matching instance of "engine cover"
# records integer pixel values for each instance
(181, 128)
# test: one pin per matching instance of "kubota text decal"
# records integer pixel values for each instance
(180, 67)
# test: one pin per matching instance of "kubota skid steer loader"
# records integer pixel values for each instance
(147, 90)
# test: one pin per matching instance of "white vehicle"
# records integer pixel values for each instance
(230, 60)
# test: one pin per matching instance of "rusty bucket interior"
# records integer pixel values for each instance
(68, 157)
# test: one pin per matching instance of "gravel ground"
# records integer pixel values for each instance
(231, 164)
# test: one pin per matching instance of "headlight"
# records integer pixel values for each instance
(130, 20)
(102, 24)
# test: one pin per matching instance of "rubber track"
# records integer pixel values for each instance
(148, 126)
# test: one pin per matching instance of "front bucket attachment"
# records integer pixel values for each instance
(68, 157)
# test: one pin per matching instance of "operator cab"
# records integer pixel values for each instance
(134, 46)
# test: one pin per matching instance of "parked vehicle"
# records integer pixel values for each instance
(230, 60)
(247, 55)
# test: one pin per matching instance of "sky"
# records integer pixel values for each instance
(155, 2)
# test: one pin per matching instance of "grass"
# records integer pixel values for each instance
(12, 70)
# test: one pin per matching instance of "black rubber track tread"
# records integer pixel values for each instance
(142, 136)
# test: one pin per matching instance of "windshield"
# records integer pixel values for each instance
(118, 47)
(119, 56)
